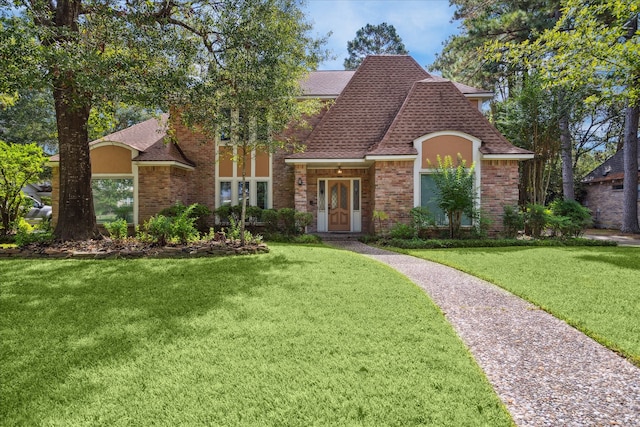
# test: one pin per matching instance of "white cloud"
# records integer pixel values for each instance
(422, 25)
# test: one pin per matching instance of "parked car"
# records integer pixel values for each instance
(38, 212)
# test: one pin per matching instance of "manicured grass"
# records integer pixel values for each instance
(597, 290)
(302, 336)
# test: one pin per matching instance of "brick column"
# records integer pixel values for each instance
(300, 173)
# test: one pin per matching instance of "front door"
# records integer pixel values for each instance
(339, 208)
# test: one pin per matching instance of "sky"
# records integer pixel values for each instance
(423, 25)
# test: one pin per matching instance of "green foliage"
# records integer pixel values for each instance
(512, 221)
(373, 40)
(536, 219)
(455, 191)
(26, 234)
(20, 164)
(254, 213)
(287, 221)
(489, 243)
(196, 211)
(380, 216)
(482, 224)
(402, 231)
(235, 232)
(571, 217)
(270, 220)
(303, 220)
(158, 228)
(117, 229)
(422, 220)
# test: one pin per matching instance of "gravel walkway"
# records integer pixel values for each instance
(546, 372)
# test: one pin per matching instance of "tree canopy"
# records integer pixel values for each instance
(155, 53)
(373, 40)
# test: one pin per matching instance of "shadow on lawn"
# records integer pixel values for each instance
(60, 316)
(622, 258)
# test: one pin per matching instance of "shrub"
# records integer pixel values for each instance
(25, 234)
(422, 218)
(303, 220)
(196, 211)
(117, 229)
(287, 220)
(158, 227)
(224, 213)
(380, 216)
(512, 220)
(254, 213)
(402, 231)
(183, 228)
(481, 226)
(536, 219)
(575, 217)
(270, 220)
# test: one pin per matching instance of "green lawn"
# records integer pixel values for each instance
(302, 336)
(595, 289)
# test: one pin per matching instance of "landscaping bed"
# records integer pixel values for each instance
(132, 248)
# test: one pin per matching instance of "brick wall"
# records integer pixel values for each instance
(606, 204)
(155, 191)
(499, 188)
(200, 186)
(283, 181)
(393, 183)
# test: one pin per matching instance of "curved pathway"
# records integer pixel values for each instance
(546, 372)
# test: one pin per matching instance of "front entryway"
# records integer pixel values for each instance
(339, 206)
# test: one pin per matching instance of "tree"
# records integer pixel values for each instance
(455, 191)
(148, 52)
(596, 44)
(20, 164)
(373, 40)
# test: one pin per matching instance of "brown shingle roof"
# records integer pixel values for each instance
(148, 138)
(325, 83)
(433, 105)
(362, 113)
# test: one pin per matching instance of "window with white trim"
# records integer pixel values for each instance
(113, 199)
(428, 199)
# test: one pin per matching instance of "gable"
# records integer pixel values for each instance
(445, 145)
(110, 159)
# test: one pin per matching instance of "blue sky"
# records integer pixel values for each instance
(423, 25)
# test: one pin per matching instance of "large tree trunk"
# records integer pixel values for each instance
(566, 154)
(630, 183)
(76, 216)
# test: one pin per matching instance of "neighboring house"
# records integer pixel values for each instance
(603, 192)
(373, 149)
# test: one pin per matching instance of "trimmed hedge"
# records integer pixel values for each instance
(484, 243)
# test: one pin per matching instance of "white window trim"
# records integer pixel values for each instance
(322, 224)
(235, 179)
(418, 170)
(133, 176)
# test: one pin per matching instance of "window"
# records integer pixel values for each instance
(356, 195)
(428, 199)
(225, 193)
(113, 199)
(262, 194)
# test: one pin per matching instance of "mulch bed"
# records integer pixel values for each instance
(131, 248)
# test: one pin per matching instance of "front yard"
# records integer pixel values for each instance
(301, 336)
(595, 289)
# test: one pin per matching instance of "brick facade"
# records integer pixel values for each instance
(159, 187)
(393, 191)
(499, 188)
(606, 203)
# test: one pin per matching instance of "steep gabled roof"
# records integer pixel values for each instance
(365, 109)
(435, 104)
(324, 84)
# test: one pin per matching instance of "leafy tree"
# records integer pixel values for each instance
(147, 52)
(455, 191)
(31, 119)
(373, 40)
(596, 44)
(19, 165)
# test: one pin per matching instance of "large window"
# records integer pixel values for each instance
(428, 199)
(257, 193)
(113, 199)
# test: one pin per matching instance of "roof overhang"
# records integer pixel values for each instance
(333, 163)
(392, 158)
(175, 164)
(506, 156)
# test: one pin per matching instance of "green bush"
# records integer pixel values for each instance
(571, 218)
(488, 243)
(512, 220)
(270, 220)
(422, 219)
(402, 231)
(117, 229)
(198, 212)
(26, 234)
(536, 219)
(481, 225)
(254, 213)
(183, 228)
(303, 220)
(287, 221)
(158, 228)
